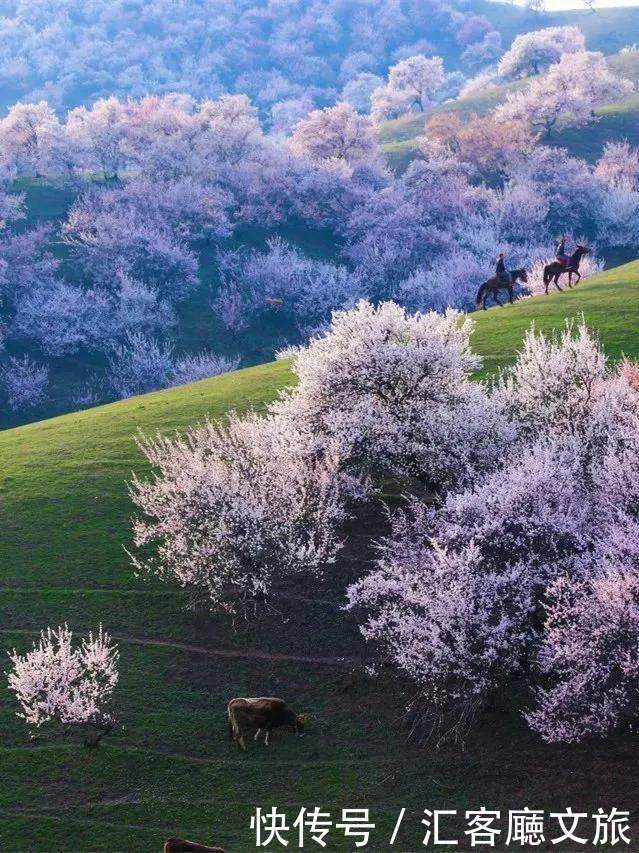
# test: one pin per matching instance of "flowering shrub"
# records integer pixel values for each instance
(202, 365)
(139, 365)
(282, 280)
(550, 388)
(66, 684)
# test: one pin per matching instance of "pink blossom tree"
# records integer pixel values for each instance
(455, 629)
(138, 365)
(65, 683)
(412, 84)
(109, 230)
(359, 90)
(418, 77)
(202, 365)
(551, 387)
(101, 131)
(27, 135)
(25, 383)
(339, 133)
(233, 508)
(618, 164)
(282, 281)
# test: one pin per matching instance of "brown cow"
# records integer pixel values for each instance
(181, 845)
(261, 714)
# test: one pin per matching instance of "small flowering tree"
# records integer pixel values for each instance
(202, 365)
(618, 214)
(138, 365)
(338, 132)
(618, 164)
(412, 84)
(418, 77)
(284, 281)
(567, 95)
(532, 52)
(65, 683)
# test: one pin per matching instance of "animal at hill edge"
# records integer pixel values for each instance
(556, 268)
(181, 845)
(261, 714)
(500, 281)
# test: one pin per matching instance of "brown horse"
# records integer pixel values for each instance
(495, 284)
(555, 269)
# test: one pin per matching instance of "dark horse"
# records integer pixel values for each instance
(555, 269)
(495, 284)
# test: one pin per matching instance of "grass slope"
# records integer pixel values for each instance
(64, 517)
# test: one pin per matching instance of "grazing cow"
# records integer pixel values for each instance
(181, 845)
(261, 714)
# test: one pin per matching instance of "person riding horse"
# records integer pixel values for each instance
(564, 264)
(560, 254)
(501, 273)
(502, 280)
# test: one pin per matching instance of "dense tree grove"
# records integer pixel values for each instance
(279, 53)
(182, 207)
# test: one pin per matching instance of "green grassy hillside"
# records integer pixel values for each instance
(64, 518)
(399, 138)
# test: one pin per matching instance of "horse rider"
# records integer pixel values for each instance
(501, 273)
(561, 255)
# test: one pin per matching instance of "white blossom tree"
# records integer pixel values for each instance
(138, 365)
(235, 507)
(101, 132)
(66, 683)
(359, 90)
(25, 382)
(532, 52)
(27, 135)
(419, 77)
(618, 164)
(455, 629)
(590, 656)
(392, 389)
(202, 365)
